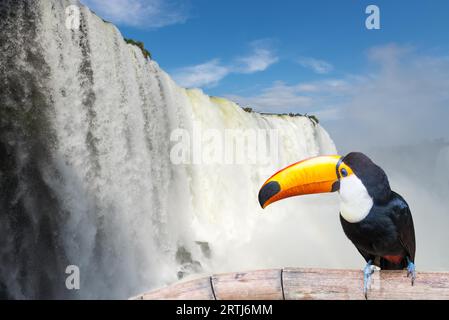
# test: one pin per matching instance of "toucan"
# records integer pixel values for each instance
(376, 219)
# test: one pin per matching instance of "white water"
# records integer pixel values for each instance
(124, 209)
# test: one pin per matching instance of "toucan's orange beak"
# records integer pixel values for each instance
(314, 175)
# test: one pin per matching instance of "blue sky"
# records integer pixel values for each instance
(300, 56)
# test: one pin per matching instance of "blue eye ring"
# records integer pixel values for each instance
(344, 173)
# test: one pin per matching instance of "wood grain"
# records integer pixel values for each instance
(198, 289)
(253, 285)
(306, 284)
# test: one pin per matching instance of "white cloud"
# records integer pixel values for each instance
(389, 53)
(306, 97)
(140, 13)
(210, 73)
(308, 87)
(318, 66)
(205, 74)
(259, 60)
(278, 98)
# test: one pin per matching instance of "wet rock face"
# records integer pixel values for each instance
(186, 264)
(28, 209)
(189, 265)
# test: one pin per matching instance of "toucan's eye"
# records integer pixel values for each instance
(344, 173)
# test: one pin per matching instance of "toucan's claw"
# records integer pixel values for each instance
(367, 272)
(411, 271)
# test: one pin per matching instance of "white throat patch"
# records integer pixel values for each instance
(355, 202)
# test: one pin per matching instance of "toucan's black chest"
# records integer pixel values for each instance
(378, 234)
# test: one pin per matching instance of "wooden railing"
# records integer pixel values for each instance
(305, 283)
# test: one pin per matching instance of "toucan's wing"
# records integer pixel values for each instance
(405, 228)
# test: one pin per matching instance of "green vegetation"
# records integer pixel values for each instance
(312, 118)
(140, 44)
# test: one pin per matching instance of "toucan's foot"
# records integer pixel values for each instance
(411, 271)
(367, 272)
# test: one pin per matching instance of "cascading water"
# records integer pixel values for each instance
(86, 176)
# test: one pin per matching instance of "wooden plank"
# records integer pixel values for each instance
(319, 284)
(396, 285)
(253, 285)
(198, 289)
(307, 283)
(334, 284)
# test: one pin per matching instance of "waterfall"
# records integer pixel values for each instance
(87, 176)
